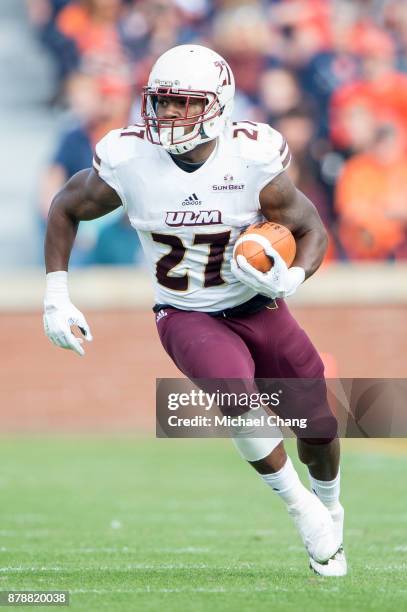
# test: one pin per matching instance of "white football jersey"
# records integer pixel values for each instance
(188, 222)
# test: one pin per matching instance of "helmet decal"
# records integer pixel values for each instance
(225, 73)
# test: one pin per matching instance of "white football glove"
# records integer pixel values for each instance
(60, 314)
(279, 282)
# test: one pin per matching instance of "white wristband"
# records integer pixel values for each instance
(297, 275)
(56, 285)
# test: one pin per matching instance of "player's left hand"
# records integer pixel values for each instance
(60, 314)
(279, 282)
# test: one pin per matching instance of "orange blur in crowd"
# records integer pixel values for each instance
(92, 25)
(382, 91)
(371, 198)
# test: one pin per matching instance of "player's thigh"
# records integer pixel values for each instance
(201, 346)
(285, 350)
(288, 353)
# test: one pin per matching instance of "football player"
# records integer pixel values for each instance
(190, 180)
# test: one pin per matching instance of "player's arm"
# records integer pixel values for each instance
(281, 202)
(84, 197)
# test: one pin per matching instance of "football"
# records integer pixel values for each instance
(251, 242)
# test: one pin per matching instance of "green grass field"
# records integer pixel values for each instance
(136, 524)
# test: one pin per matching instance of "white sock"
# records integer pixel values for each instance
(286, 484)
(327, 490)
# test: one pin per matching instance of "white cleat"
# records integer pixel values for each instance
(336, 565)
(316, 528)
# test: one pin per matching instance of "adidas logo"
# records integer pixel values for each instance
(192, 200)
(160, 315)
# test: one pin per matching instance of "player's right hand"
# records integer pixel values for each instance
(59, 316)
(278, 282)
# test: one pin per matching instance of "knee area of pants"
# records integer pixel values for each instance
(318, 441)
(321, 430)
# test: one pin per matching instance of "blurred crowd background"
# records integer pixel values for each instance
(331, 75)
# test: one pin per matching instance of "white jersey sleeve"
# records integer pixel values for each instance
(277, 155)
(264, 148)
(110, 152)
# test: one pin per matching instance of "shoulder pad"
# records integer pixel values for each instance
(259, 142)
(119, 146)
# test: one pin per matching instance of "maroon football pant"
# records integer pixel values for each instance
(267, 345)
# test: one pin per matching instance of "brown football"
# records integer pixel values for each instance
(280, 238)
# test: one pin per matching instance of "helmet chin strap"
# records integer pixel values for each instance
(178, 148)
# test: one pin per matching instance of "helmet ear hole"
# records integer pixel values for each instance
(202, 131)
